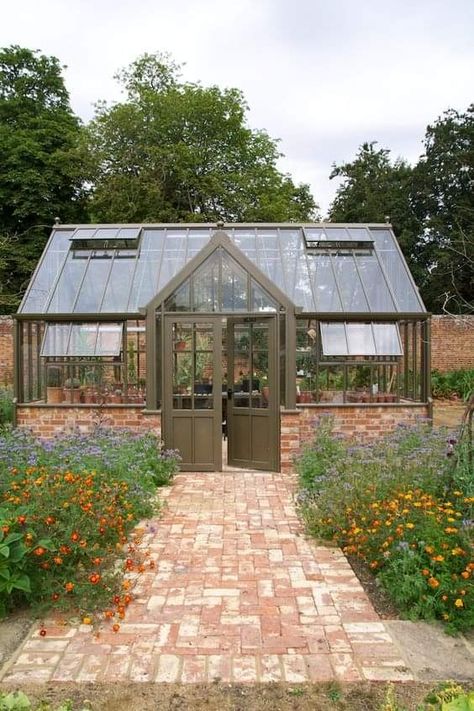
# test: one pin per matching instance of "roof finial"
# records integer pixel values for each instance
(387, 219)
(220, 224)
(57, 221)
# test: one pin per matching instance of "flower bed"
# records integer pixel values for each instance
(67, 509)
(405, 506)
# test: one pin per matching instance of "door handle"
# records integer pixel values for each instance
(229, 394)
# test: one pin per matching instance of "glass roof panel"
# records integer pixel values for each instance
(206, 285)
(92, 288)
(45, 276)
(234, 286)
(66, 289)
(323, 281)
(349, 283)
(374, 283)
(405, 292)
(118, 286)
(314, 281)
(109, 339)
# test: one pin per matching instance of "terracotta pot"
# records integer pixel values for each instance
(72, 395)
(54, 395)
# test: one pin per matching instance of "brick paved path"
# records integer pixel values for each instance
(237, 594)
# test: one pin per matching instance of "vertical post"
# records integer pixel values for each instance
(290, 399)
(150, 321)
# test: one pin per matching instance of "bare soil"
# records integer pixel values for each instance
(224, 697)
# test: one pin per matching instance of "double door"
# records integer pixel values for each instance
(219, 380)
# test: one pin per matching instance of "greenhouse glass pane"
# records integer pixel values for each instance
(206, 285)
(85, 233)
(118, 287)
(269, 257)
(83, 339)
(105, 233)
(290, 246)
(350, 287)
(387, 339)
(152, 240)
(404, 291)
(180, 300)
(145, 281)
(359, 234)
(55, 339)
(336, 234)
(196, 240)
(324, 285)
(109, 339)
(374, 283)
(333, 338)
(234, 287)
(245, 240)
(129, 233)
(92, 288)
(45, 277)
(360, 339)
(314, 234)
(68, 284)
(260, 300)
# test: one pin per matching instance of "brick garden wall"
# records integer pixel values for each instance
(6, 350)
(452, 343)
(46, 422)
(364, 422)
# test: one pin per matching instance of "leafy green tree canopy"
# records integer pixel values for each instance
(444, 199)
(177, 151)
(42, 173)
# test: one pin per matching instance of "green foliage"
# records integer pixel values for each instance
(431, 207)
(456, 382)
(405, 508)
(6, 405)
(18, 701)
(42, 170)
(67, 509)
(177, 151)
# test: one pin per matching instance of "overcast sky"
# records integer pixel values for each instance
(321, 75)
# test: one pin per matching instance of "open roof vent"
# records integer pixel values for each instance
(337, 238)
(106, 238)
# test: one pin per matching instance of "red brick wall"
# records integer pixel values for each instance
(452, 343)
(6, 350)
(45, 422)
(365, 422)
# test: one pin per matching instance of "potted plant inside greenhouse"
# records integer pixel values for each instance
(54, 387)
(72, 390)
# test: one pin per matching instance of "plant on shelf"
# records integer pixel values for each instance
(54, 389)
(72, 390)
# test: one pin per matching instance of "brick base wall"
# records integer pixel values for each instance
(45, 422)
(361, 423)
(6, 350)
(452, 343)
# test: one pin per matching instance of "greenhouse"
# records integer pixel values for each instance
(230, 340)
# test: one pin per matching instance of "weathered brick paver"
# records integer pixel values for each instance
(238, 594)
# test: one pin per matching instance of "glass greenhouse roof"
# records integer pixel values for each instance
(321, 268)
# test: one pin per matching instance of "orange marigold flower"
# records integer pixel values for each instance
(94, 578)
(108, 614)
(429, 549)
(465, 574)
(450, 529)
(75, 536)
(96, 561)
(55, 596)
(50, 520)
(39, 551)
(433, 583)
(21, 520)
(458, 602)
(64, 550)
(116, 627)
(58, 560)
(438, 558)
(69, 587)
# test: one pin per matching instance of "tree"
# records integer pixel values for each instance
(42, 171)
(444, 200)
(373, 189)
(175, 151)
